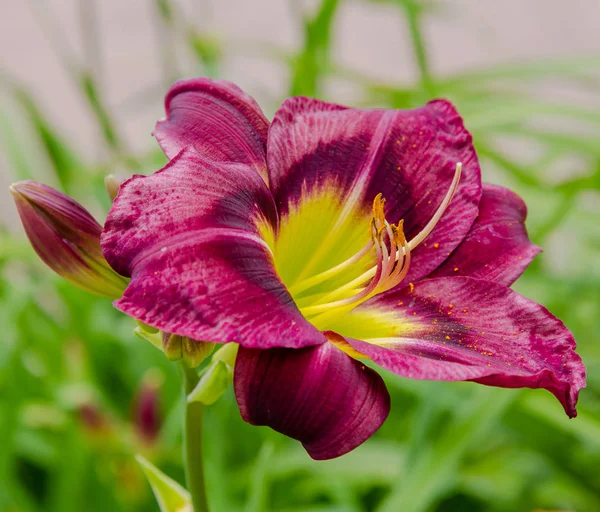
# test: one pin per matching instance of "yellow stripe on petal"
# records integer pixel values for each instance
(344, 346)
(373, 324)
(317, 235)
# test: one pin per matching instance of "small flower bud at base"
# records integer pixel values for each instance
(191, 351)
(172, 346)
(112, 185)
(213, 383)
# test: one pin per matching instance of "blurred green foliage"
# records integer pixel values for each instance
(70, 365)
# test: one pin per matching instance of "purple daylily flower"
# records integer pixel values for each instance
(329, 236)
(276, 236)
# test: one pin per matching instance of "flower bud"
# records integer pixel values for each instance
(191, 351)
(93, 419)
(66, 237)
(212, 384)
(112, 185)
(146, 411)
(172, 346)
(194, 352)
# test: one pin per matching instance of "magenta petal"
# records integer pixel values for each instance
(189, 238)
(218, 119)
(317, 395)
(409, 156)
(460, 328)
(497, 247)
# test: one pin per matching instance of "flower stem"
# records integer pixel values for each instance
(192, 442)
(413, 18)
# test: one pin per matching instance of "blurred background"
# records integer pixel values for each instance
(81, 86)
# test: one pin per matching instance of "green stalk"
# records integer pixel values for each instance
(192, 442)
(413, 17)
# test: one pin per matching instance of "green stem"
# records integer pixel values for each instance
(413, 18)
(192, 442)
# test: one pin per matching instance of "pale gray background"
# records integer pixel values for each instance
(131, 60)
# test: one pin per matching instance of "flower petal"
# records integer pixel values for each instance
(408, 156)
(497, 247)
(189, 238)
(460, 328)
(66, 237)
(218, 119)
(317, 395)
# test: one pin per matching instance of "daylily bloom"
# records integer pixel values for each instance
(326, 238)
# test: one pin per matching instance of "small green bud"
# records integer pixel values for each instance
(194, 352)
(172, 346)
(112, 185)
(226, 353)
(212, 384)
(191, 351)
(154, 338)
(146, 327)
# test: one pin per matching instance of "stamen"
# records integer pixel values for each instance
(368, 274)
(402, 267)
(378, 213)
(391, 259)
(440, 211)
(392, 265)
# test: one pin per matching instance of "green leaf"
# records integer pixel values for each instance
(259, 486)
(435, 470)
(170, 495)
(65, 161)
(578, 68)
(314, 58)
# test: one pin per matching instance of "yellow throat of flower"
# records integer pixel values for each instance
(380, 265)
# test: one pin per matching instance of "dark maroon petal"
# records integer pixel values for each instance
(66, 237)
(218, 119)
(460, 328)
(189, 236)
(317, 395)
(497, 247)
(408, 156)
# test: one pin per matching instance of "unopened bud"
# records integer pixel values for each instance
(93, 419)
(212, 384)
(147, 415)
(146, 327)
(194, 352)
(153, 337)
(66, 237)
(172, 346)
(180, 347)
(112, 185)
(226, 353)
